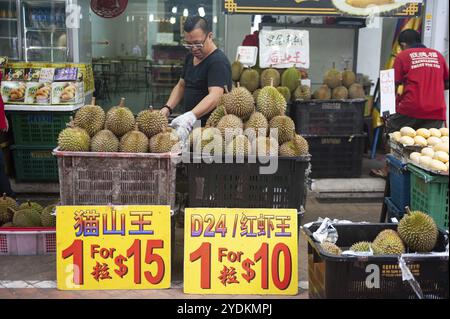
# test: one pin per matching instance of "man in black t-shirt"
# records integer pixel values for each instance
(206, 72)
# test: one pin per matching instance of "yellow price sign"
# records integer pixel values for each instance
(241, 251)
(113, 247)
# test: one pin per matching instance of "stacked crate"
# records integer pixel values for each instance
(35, 136)
(335, 133)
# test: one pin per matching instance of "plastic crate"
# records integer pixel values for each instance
(241, 184)
(402, 152)
(400, 181)
(38, 128)
(429, 193)
(346, 277)
(27, 241)
(88, 178)
(392, 210)
(330, 117)
(336, 156)
(35, 164)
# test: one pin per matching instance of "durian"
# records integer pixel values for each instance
(151, 122)
(90, 118)
(302, 144)
(165, 142)
(256, 94)
(257, 125)
(105, 141)
(207, 141)
(230, 124)
(120, 120)
(215, 116)
(31, 205)
(348, 78)
(236, 70)
(331, 248)
(285, 92)
(302, 93)
(340, 93)
(291, 79)
(333, 78)
(362, 246)
(356, 91)
(239, 102)
(265, 146)
(74, 139)
(26, 218)
(388, 243)
(322, 93)
(419, 231)
(250, 79)
(239, 146)
(134, 142)
(270, 77)
(47, 217)
(271, 103)
(284, 126)
(5, 203)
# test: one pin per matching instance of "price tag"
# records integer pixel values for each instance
(106, 247)
(387, 91)
(247, 55)
(241, 251)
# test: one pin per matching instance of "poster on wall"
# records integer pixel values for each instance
(113, 247)
(359, 8)
(240, 251)
(284, 49)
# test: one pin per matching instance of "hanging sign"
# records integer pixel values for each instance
(247, 55)
(284, 48)
(113, 247)
(241, 251)
(109, 8)
(387, 91)
(361, 8)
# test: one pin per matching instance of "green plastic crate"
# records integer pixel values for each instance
(429, 193)
(38, 128)
(35, 164)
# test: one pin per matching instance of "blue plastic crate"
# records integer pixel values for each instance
(392, 210)
(400, 180)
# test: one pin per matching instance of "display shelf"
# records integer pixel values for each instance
(45, 29)
(8, 38)
(9, 19)
(34, 107)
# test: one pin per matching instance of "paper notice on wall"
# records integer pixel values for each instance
(284, 48)
(387, 91)
(247, 55)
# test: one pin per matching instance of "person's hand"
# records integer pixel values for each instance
(183, 125)
(165, 111)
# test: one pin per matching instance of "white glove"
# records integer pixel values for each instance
(183, 124)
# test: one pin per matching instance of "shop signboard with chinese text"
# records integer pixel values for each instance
(352, 8)
(241, 251)
(113, 247)
(284, 48)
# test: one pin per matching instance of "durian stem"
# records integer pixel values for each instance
(225, 87)
(93, 100)
(238, 57)
(238, 84)
(122, 102)
(407, 210)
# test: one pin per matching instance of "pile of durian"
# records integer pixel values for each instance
(434, 142)
(93, 130)
(244, 124)
(339, 85)
(416, 232)
(27, 214)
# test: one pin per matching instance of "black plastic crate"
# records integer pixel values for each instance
(330, 117)
(336, 156)
(241, 184)
(344, 277)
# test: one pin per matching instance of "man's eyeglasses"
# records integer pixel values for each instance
(195, 45)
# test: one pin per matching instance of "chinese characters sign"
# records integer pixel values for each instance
(387, 91)
(397, 8)
(241, 251)
(284, 48)
(113, 247)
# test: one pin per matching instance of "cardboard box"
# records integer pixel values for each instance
(13, 92)
(38, 93)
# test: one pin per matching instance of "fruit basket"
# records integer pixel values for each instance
(90, 178)
(27, 241)
(355, 277)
